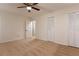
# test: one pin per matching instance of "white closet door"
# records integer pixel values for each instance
(74, 30)
(71, 33)
(50, 28)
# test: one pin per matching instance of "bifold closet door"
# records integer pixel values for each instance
(74, 29)
(77, 30)
(50, 29)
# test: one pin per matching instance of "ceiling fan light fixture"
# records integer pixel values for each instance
(28, 8)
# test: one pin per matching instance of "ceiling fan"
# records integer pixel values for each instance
(29, 6)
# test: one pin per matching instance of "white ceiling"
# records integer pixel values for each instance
(44, 7)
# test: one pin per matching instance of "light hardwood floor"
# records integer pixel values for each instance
(36, 48)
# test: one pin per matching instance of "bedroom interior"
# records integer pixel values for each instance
(39, 29)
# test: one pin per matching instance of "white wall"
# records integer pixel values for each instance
(12, 26)
(61, 26)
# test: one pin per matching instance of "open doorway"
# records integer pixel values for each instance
(30, 29)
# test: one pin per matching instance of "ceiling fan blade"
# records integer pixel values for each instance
(26, 4)
(36, 8)
(22, 7)
(34, 3)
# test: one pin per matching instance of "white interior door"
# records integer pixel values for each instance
(50, 28)
(71, 33)
(74, 29)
